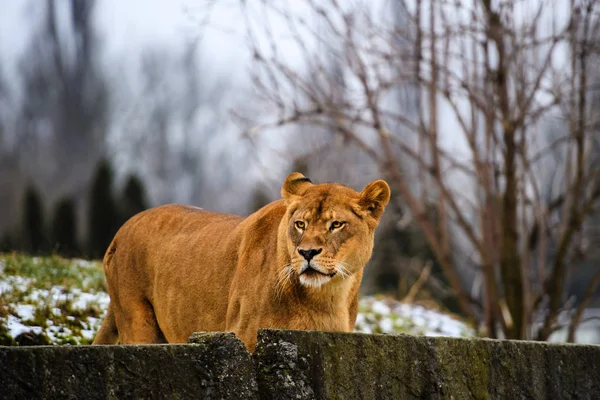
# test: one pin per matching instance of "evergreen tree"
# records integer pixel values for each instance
(7, 243)
(103, 216)
(33, 238)
(64, 229)
(133, 198)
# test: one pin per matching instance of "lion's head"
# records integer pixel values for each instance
(330, 228)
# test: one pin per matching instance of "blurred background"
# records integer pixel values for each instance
(482, 115)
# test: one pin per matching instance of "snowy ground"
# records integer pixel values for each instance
(66, 304)
(67, 322)
(385, 315)
(55, 301)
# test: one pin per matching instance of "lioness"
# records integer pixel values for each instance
(296, 263)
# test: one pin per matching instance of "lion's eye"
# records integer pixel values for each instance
(300, 224)
(336, 225)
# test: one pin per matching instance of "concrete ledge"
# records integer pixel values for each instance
(305, 365)
(359, 366)
(217, 367)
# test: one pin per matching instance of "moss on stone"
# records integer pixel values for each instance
(344, 366)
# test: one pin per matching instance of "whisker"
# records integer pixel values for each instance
(343, 270)
(283, 280)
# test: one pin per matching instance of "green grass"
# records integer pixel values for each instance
(55, 271)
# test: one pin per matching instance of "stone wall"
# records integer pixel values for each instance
(305, 365)
(359, 366)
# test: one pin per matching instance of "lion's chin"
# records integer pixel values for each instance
(314, 280)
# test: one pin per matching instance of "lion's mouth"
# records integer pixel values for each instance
(311, 271)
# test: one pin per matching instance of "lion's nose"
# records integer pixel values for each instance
(309, 253)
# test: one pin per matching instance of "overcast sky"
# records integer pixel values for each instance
(124, 23)
(126, 27)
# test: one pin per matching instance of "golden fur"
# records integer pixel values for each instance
(296, 263)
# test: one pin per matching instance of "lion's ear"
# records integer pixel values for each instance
(374, 198)
(295, 185)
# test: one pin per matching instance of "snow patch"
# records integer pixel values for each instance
(83, 300)
(25, 311)
(392, 316)
(380, 307)
(15, 327)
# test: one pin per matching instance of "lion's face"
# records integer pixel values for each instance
(330, 228)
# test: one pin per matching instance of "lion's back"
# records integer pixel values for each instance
(173, 232)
